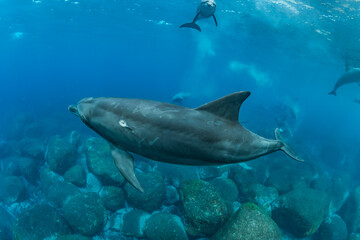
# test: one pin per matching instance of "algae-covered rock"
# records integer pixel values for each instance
(85, 213)
(355, 236)
(61, 154)
(154, 195)
(285, 180)
(350, 211)
(12, 189)
(210, 172)
(40, 222)
(242, 176)
(301, 211)
(175, 174)
(204, 209)
(101, 163)
(73, 237)
(249, 223)
(112, 197)
(76, 175)
(261, 195)
(134, 223)
(333, 228)
(32, 148)
(165, 226)
(227, 188)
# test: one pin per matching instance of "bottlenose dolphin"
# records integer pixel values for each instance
(180, 97)
(350, 76)
(206, 9)
(208, 135)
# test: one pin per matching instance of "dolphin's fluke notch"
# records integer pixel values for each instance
(332, 93)
(125, 164)
(191, 25)
(285, 147)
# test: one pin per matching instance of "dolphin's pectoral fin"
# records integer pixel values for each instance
(196, 17)
(226, 107)
(215, 19)
(286, 148)
(125, 164)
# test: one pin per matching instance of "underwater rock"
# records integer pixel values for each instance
(204, 209)
(61, 154)
(85, 213)
(40, 222)
(333, 228)
(261, 195)
(355, 236)
(242, 176)
(6, 149)
(227, 189)
(172, 196)
(210, 172)
(134, 223)
(22, 166)
(165, 226)
(301, 211)
(60, 192)
(6, 225)
(76, 175)
(323, 183)
(112, 197)
(154, 195)
(350, 211)
(56, 190)
(285, 180)
(249, 223)
(92, 183)
(12, 189)
(339, 191)
(101, 163)
(73, 237)
(32, 148)
(175, 174)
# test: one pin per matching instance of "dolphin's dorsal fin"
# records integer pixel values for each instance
(226, 107)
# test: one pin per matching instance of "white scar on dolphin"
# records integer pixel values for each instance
(208, 135)
(206, 9)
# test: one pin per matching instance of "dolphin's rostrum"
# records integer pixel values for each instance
(208, 135)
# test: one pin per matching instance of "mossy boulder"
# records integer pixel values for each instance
(261, 195)
(85, 213)
(350, 211)
(100, 162)
(154, 195)
(301, 211)
(227, 189)
(40, 222)
(73, 237)
(112, 197)
(134, 223)
(204, 209)
(165, 226)
(12, 190)
(333, 228)
(249, 223)
(76, 175)
(61, 154)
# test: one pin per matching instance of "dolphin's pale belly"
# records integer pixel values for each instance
(180, 135)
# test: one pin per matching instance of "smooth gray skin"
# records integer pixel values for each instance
(351, 76)
(207, 135)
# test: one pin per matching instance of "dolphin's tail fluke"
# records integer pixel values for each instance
(285, 147)
(332, 93)
(191, 25)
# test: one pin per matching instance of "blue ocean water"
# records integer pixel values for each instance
(287, 53)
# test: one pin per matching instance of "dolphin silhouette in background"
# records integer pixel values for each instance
(208, 135)
(206, 9)
(180, 97)
(352, 75)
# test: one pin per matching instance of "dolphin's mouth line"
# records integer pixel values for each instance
(74, 110)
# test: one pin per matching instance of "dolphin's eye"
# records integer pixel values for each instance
(122, 123)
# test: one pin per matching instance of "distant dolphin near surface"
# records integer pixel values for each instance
(208, 135)
(206, 9)
(180, 97)
(350, 76)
